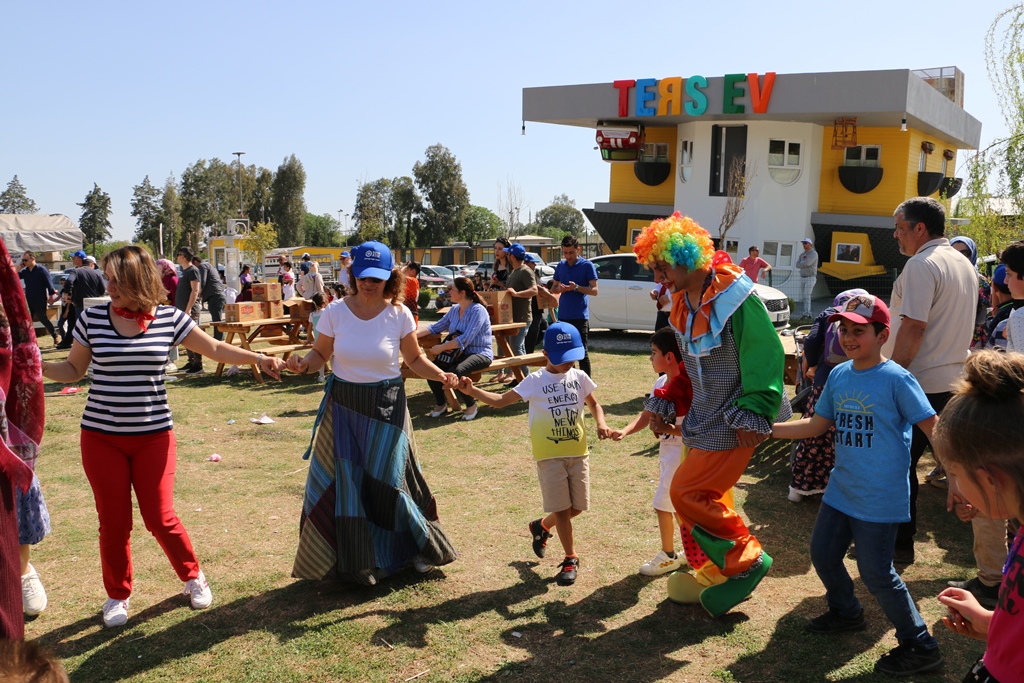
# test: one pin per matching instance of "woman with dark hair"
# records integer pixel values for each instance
(127, 434)
(502, 268)
(478, 282)
(368, 511)
(245, 277)
(467, 349)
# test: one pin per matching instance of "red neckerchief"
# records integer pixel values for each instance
(141, 317)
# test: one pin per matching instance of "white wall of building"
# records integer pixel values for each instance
(773, 213)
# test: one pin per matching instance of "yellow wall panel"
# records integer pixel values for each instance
(900, 162)
(627, 189)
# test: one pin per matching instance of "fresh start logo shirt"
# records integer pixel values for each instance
(873, 411)
(557, 403)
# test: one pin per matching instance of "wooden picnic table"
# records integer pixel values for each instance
(501, 332)
(250, 332)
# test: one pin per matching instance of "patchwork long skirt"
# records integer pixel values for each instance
(814, 458)
(367, 510)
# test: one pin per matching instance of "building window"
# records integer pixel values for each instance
(654, 151)
(922, 162)
(863, 155)
(784, 161)
(945, 165)
(685, 160)
(732, 246)
(728, 152)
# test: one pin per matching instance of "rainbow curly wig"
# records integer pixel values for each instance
(677, 240)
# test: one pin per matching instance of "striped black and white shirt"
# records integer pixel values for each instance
(128, 396)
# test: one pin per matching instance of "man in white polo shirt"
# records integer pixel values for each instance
(934, 302)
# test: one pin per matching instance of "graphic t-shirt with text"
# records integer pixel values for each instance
(873, 411)
(557, 403)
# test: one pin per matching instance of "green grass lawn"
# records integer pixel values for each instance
(496, 613)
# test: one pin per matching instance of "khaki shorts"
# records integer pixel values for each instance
(564, 483)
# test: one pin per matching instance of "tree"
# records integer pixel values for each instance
(288, 203)
(146, 211)
(261, 239)
(406, 205)
(15, 199)
(170, 218)
(1002, 162)
(445, 196)
(740, 176)
(260, 198)
(482, 225)
(322, 231)
(372, 215)
(562, 216)
(510, 205)
(95, 220)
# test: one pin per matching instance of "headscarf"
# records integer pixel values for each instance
(166, 267)
(970, 245)
(843, 297)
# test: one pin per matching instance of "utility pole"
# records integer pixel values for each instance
(239, 155)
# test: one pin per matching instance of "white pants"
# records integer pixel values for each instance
(806, 288)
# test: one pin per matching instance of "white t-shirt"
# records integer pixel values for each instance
(1015, 331)
(556, 403)
(366, 351)
(938, 286)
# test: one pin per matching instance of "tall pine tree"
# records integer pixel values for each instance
(15, 199)
(95, 220)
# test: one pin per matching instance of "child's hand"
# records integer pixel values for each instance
(966, 616)
(658, 424)
(963, 510)
(465, 384)
(617, 435)
(603, 432)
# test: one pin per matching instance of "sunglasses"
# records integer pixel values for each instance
(371, 280)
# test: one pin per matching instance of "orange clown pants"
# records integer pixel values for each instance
(702, 479)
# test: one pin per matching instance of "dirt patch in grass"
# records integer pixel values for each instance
(496, 613)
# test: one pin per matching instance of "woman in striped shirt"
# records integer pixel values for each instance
(469, 335)
(127, 436)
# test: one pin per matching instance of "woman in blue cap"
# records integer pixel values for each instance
(368, 511)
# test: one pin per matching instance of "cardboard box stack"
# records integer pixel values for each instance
(244, 312)
(266, 291)
(299, 308)
(499, 305)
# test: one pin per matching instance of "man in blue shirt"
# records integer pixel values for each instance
(575, 279)
(39, 290)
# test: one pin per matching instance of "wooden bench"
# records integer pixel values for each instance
(284, 351)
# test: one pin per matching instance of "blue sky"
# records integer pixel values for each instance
(109, 92)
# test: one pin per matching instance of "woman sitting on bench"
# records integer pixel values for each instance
(467, 348)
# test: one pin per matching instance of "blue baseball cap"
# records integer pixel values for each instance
(533, 258)
(345, 254)
(562, 343)
(517, 250)
(79, 254)
(372, 259)
(999, 276)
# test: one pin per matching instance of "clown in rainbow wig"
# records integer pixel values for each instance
(734, 360)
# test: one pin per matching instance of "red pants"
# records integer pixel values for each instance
(117, 464)
(702, 479)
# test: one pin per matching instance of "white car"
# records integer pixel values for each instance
(438, 271)
(624, 299)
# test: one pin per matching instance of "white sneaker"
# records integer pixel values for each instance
(33, 595)
(661, 564)
(421, 565)
(794, 495)
(199, 592)
(115, 612)
(470, 413)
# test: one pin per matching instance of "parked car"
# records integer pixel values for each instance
(438, 271)
(485, 268)
(459, 269)
(624, 302)
(472, 266)
(431, 281)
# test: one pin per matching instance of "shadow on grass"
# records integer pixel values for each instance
(573, 642)
(120, 654)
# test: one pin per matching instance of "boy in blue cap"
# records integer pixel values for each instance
(556, 394)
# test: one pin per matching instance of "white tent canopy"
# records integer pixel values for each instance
(23, 232)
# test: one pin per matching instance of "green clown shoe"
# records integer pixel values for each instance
(718, 600)
(713, 546)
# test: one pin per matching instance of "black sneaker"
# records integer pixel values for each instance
(903, 555)
(987, 596)
(540, 538)
(907, 660)
(833, 622)
(195, 370)
(567, 571)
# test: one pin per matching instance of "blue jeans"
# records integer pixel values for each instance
(833, 531)
(518, 342)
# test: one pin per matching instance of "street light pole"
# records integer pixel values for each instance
(239, 155)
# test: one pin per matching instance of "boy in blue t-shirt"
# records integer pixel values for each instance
(872, 402)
